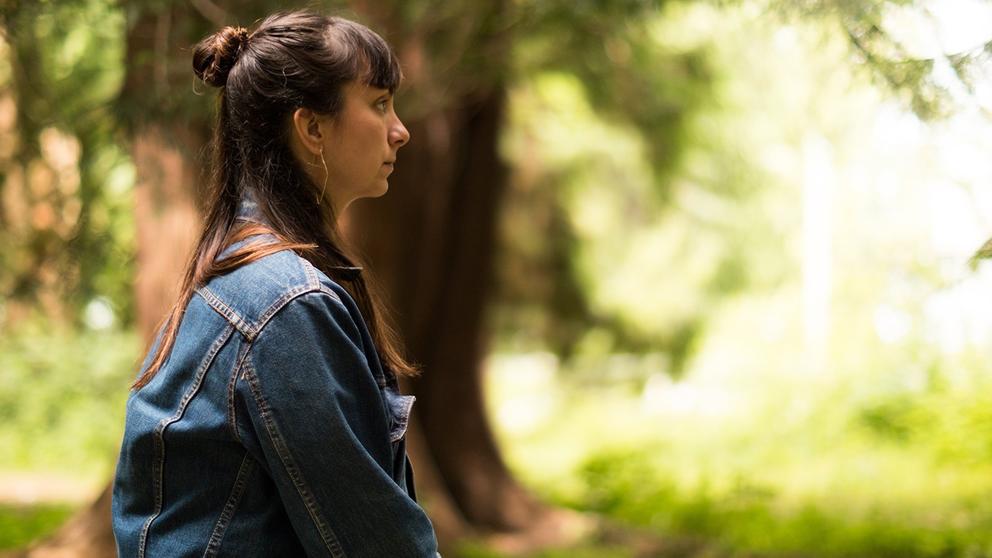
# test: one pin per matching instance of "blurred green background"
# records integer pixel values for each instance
(735, 304)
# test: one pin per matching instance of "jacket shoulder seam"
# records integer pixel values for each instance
(230, 314)
(251, 328)
(313, 285)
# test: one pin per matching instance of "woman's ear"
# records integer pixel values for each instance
(306, 128)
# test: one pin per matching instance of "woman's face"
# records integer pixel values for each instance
(359, 146)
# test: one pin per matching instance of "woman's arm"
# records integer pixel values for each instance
(316, 411)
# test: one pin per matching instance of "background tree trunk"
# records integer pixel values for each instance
(432, 240)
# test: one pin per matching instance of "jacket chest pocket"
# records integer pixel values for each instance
(399, 412)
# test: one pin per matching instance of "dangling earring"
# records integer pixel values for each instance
(320, 200)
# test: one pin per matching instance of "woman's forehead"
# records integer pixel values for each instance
(361, 88)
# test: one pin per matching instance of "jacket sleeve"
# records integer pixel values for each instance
(318, 417)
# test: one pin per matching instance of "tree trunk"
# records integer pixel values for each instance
(432, 240)
(166, 219)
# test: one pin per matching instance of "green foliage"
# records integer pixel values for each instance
(896, 419)
(983, 253)
(19, 525)
(625, 485)
(875, 41)
(66, 181)
(954, 426)
(62, 396)
(630, 76)
(825, 471)
(67, 61)
(654, 241)
(592, 549)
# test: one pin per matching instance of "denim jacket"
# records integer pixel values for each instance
(271, 430)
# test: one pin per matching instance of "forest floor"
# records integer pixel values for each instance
(33, 504)
(25, 488)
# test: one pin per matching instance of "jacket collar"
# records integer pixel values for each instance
(248, 210)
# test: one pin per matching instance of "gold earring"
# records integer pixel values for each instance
(320, 200)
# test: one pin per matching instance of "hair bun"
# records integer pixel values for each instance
(214, 56)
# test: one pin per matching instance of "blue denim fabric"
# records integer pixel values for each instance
(271, 430)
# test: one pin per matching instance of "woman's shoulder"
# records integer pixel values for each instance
(251, 294)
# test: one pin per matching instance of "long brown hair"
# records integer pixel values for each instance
(292, 60)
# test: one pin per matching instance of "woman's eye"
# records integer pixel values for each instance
(383, 104)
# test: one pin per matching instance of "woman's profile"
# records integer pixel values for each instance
(266, 419)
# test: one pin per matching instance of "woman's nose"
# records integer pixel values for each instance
(398, 134)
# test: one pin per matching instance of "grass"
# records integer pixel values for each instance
(592, 550)
(62, 396)
(20, 525)
(779, 467)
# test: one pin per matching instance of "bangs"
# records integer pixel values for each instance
(382, 67)
(376, 64)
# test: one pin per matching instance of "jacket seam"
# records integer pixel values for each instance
(232, 414)
(380, 376)
(278, 305)
(289, 464)
(251, 329)
(328, 291)
(226, 311)
(312, 285)
(311, 273)
(158, 466)
(230, 507)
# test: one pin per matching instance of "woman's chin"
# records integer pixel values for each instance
(380, 190)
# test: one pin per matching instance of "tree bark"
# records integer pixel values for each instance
(166, 219)
(432, 240)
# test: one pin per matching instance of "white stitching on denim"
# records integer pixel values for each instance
(311, 272)
(220, 528)
(232, 416)
(158, 467)
(251, 330)
(326, 534)
(278, 304)
(232, 316)
(337, 298)
(246, 328)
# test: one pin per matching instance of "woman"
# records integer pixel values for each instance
(266, 420)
